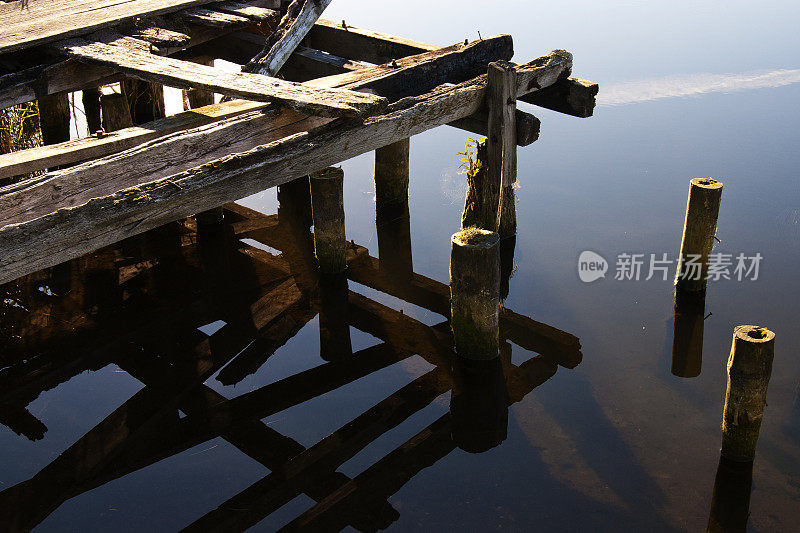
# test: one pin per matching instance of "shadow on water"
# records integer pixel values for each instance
(144, 305)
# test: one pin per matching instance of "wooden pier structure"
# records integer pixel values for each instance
(117, 247)
(342, 91)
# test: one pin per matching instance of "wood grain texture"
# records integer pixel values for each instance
(124, 55)
(50, 239)
(43, 21)
(292, 29)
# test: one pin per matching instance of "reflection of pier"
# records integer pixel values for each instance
(139, 304)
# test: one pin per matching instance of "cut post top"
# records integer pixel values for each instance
(328, 173)
(706, 183)
(475, 238)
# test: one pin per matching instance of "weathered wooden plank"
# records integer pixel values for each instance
(213, 18)
(137, 63)
(254, 13)
(300, 17)
(571, 96)
(414, 73)
(77, 150)
(362, 44)
(49, 240)
(43, 21)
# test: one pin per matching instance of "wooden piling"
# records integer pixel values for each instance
(392, 173)
(294, 200)
(200, 97)
(91, 108)
(700, 226)
(687, 334)
(116, 113)
(145, 99)
(334, 327)
(483, 194)
(327, 205)
(475, 292)
(54, 118)
(501, 149)
(749, 370)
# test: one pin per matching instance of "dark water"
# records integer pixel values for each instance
(615, 443)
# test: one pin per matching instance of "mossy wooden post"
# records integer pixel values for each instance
(479, 404)
(730, 503)
(91, 107)
(699, 229)
(54, 118)
(749, 370)
(687, 334)
(501, 150)
(327, 206)
(391, 209)
(145, 99)
(475, 292)
(116, 113)
(334, 328)
(483, 194)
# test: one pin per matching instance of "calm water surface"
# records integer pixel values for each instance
(617, 442)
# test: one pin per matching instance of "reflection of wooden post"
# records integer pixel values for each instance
(687, 334)
(146, 100)
(699, 229)
(54, 118)
(334, 328)
(730, 504)
(475, 293)
(327, 204)
(507, 247)
(91, 107)
(479, 405)
(391, 209)
(501, 149)
(116, 114)
(749, 370)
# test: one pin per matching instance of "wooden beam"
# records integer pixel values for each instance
(263, 127)
(123, 54)
(300, 17)
(48, 240)
(213, 18)
(571, 96)
(44, 21)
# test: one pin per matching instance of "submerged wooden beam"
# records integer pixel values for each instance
(49, 239)
(122, 54)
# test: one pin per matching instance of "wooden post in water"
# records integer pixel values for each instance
(116, 113)
(699, 229)
(294, 200)
(54, 118)
(91, 107)
(687, 333)
(392, 218)
(475, 293)
(501, 151)
(749, 370)
(327, 205)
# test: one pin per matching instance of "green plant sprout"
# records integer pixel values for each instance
(470, 164)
